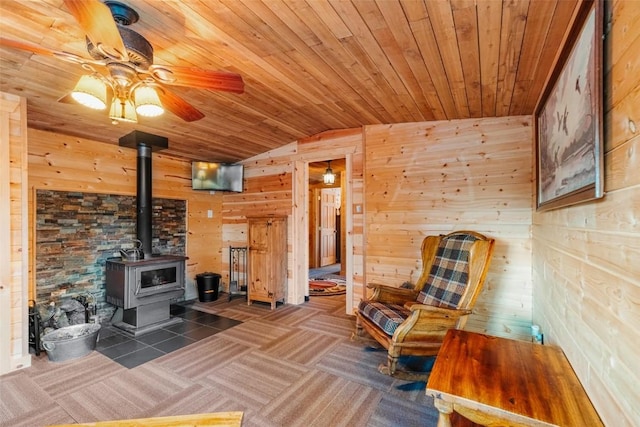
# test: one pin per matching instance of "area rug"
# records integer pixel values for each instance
(320, 287)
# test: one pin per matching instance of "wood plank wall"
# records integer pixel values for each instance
(348, 144)
(586, 274)
(60, 162)
(274, 186)
(267, 191)
(437, 177)
(14, 333)
(413, 180)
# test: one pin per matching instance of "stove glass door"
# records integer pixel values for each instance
(157, 277)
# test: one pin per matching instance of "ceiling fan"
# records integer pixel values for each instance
(121, 72)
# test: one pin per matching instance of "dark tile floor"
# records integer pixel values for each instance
(133, 351)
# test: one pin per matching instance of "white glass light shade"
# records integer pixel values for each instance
(91, 92)
(147, 102)
(123, 110)
(329, 177)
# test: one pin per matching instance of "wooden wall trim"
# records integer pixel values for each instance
(5, 242)
(332, 134)
(14, 335)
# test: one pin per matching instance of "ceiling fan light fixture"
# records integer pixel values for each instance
(329, 177)
(91, 92)
(148, 102)
(123, 110)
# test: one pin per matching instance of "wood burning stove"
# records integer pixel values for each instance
(133, 283)
(144, 289)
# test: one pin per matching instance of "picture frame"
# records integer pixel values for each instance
(568, 118)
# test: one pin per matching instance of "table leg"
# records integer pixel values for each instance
(445, 409)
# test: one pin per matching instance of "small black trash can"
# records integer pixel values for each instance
(208, 284)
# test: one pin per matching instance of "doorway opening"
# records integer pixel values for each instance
(326, 220)
(302, 170)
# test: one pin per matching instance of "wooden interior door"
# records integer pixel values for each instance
(329, 200)
(314, 228)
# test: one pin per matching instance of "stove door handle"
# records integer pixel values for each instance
(162, 291)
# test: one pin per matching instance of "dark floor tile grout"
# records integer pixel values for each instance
(132, 351)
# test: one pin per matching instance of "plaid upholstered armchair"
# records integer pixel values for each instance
(414, 321)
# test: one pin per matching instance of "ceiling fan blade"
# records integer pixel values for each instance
(39, 50)
(97, 22)
(196, 77)
(178, 106)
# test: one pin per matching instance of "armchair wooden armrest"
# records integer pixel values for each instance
(437, 311)
(427, 322)
(391, 295)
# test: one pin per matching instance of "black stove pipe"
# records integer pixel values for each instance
(144, 143)
(143, 199)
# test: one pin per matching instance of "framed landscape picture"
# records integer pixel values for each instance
(568, 118)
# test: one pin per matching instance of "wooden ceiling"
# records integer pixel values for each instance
(308, 65)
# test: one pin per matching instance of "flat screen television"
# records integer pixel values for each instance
(217, 176)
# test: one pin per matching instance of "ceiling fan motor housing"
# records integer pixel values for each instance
(138, 48)
(122, 14)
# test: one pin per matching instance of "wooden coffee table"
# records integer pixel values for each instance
(489, 379)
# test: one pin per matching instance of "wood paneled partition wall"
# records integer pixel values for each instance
(436, 177)
(275, 185)
(411, 180)
(586, 270)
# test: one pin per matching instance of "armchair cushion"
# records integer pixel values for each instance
(449, 273)
(386, 316)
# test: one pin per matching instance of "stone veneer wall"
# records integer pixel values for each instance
(76, 232)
